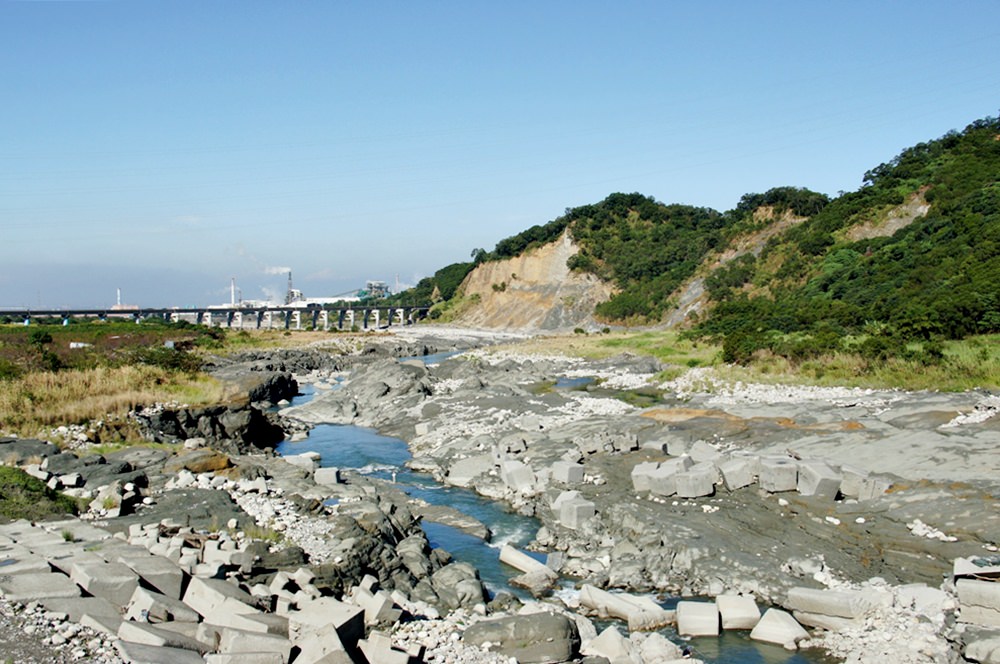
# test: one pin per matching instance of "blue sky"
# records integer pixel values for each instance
(165, 147)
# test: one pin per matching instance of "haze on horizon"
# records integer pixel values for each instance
(164, 148)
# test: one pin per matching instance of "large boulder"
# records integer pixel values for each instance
(531, 639)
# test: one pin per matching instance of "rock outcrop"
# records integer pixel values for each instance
(534, 291)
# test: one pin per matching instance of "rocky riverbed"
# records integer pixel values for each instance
(498, 422)
(845, 508)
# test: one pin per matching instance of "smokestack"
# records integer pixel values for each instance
(232, 292)
(119, 301)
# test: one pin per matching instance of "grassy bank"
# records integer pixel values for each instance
(967, 364)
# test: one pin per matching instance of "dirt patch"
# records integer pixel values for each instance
(534, 291)
(897, 218)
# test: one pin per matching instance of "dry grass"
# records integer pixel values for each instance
(45, 399)
(967, 364)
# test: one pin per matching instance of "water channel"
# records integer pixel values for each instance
(367, 452)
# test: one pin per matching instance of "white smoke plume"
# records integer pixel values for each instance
(277, 270)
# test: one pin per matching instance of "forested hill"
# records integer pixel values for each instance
(913, 254)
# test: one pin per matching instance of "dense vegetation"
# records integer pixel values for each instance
(645, 247)
(438, 288)
(814, 290)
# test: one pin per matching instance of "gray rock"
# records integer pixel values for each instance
(531, 639)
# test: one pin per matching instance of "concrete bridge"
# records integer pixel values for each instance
(360, 317)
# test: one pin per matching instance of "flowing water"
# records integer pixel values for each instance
(384, 457)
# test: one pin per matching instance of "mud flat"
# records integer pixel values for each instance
(716, 490)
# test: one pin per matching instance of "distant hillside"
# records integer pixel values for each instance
(914, 254)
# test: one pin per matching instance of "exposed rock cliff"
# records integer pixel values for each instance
(534, 291)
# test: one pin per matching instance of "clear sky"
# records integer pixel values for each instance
(165, 147)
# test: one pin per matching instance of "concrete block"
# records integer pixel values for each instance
(265, 623)
(842, 603)
(16, 559)
(635, 609)
(678, 447)
(114, 582)
(829, 623)
(379, 607)
(244, 658)
(611, 645)
(32, 586)
(778, 474)
(102, 623)
(517, 475)
(237, 641)
(154, 636)
(377, 649)
(328, 476)
(218, 600)
(624, 442)
(850, 482)
(780, 627)
(818, 479)
(464, 471)
(738, 611)
(572, 513)
(140, 653)
(563, 497)
(567, 473)
(737, 472)
(662, 481)
(77, 607)
(347, 619)
(640, 475)
(979, 602)
(697, 618)
(521, 561)
(307, 460)
(322, 645)
(159, 572)
(698, 480)
(702, 451)
(148, 606)
(873, 487)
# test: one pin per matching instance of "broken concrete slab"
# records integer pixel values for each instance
(152, 635)
(140, 653)
(842, 603)
(32, 586)
(239, 641)
(347, 619)
(979, 602)
(378, 648)
(780, 627)
(218, 600)
(146, 605)
(114, 582)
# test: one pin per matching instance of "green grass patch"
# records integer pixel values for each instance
(25, 497)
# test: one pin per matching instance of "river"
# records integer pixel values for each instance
(384, 457)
